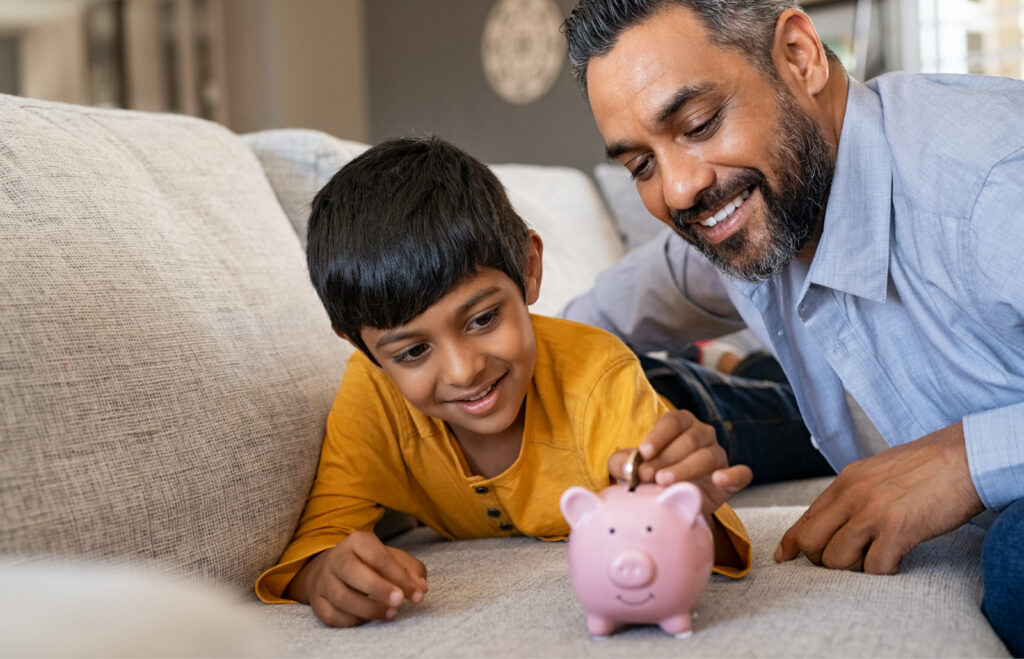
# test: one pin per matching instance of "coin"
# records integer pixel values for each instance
(632, 469)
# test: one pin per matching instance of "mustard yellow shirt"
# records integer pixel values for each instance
(588, 398)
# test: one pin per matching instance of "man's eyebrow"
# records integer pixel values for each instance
(466, 306)
(681, 97)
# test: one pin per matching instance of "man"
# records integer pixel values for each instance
(870, 235)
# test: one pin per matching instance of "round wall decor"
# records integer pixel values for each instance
(522, 49)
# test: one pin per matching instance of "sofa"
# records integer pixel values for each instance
(165, 374)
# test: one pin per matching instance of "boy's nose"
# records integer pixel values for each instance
(463, 365)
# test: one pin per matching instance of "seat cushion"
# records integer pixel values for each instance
(512, 597)
(165, 365)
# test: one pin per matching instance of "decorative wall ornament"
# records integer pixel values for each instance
(522, 49)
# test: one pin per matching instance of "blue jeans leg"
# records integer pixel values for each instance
(1002, 571)
(757, 421)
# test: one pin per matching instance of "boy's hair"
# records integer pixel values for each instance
(400, 226)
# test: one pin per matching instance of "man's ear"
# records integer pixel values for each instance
(798, 53)
(534, 267)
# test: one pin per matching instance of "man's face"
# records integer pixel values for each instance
(718, 151)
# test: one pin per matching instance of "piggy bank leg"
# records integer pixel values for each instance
(599, 626)
(679, 626)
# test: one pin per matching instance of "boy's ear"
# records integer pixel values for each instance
(534, 267)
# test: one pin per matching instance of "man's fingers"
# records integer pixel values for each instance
(846, 549)
(811, 533)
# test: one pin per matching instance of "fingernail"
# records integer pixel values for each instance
(664, 478)
(417, 597)
(395, 598)
(778, 554)
(390, 614)
(646, 451)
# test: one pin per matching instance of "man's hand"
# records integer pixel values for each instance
(880, 508)
(681, 448)
(360, 579)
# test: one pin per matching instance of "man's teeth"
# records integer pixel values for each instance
(726, 210)
(480, 395)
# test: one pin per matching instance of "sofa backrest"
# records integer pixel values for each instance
(562, 204)
(165, 367)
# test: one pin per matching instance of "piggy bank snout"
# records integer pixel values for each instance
(631, 568)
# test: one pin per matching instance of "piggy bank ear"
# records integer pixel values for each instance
(684, 498)
(577, 502)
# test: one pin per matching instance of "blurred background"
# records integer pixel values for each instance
(488, 74)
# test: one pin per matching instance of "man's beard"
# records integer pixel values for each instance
(804, 168)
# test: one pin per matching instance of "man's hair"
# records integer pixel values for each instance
(594, 26)
(403, 224)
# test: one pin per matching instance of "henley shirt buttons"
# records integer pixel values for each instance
(505, 526)
(494, 512)
(482, 489)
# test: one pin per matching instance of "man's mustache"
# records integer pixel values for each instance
(716, 197)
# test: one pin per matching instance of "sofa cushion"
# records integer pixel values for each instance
(512, 597)
(165, 366)
(562, 204)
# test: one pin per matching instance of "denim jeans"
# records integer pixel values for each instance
(756, 418)
(1002, 572)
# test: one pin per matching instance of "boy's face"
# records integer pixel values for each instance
(468, 359)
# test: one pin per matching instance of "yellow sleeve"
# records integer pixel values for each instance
(360, 469)
(622, 408)
(727, 520)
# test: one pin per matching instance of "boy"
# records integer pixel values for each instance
(459, 407)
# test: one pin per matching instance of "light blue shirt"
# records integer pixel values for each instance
(913, 303)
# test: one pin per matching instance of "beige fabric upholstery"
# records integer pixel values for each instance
(512, 597)
(165, 366)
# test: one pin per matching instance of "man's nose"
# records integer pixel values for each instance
(684, 180)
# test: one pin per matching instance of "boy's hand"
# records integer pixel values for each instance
(681, 448)
(360, 579)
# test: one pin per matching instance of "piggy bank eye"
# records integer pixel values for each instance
(611, 530)
(650, 529)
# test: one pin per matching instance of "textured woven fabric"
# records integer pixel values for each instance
(511, 597)
(165, 367)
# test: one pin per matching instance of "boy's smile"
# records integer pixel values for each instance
(468, 359)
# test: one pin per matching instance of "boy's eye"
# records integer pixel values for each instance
(485, 319)
(411, 354)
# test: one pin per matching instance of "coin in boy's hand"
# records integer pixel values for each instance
(632, 469)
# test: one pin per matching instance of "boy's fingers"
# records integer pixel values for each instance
(381, 560)
(701, 462)
(665, 431)
(733, 479)
(617, 464)
(348, 603)
(416, 569)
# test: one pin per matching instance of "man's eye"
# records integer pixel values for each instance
(642, 169)
(485, 319)
(411, 354)
(706, 128)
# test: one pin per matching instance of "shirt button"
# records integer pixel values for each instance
(482, 489)
(505, 526)
(494, 512)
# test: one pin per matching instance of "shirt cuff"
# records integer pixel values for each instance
(995, 454)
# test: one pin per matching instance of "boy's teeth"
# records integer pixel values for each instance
(726, 210)
(482, 394)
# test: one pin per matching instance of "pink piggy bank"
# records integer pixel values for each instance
(638, 557)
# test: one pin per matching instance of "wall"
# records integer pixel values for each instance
(426, 76)
(297, 64)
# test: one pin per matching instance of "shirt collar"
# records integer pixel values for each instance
(853, 253)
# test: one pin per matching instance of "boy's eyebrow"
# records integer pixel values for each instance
(466, 306)
(681, 97)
